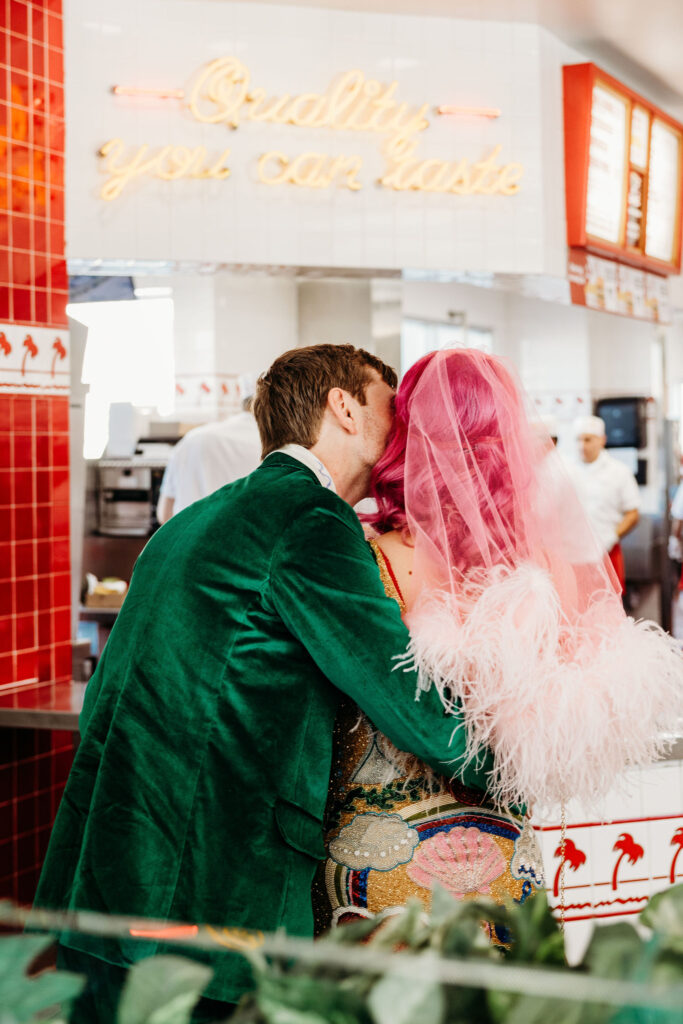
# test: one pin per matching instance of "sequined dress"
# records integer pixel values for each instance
(392, 830)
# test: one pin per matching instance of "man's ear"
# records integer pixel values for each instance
(342, 407)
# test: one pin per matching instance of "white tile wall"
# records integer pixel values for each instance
(291, 49)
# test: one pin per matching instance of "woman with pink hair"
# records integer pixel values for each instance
(515, 616)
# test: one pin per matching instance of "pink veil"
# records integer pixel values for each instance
(514, 611)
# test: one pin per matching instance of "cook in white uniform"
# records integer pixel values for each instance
(210, 456)
(607, 489)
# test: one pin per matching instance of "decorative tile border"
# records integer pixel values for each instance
(34, 360)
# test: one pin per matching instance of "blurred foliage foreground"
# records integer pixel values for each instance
(402, 969)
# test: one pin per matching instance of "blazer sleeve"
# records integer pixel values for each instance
(325, 585)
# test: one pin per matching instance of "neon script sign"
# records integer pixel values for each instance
(222, 94)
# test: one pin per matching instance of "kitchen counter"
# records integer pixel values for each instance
(42, 706)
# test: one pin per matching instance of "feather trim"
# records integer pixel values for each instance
(565, 707)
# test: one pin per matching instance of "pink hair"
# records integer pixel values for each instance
(469, 375)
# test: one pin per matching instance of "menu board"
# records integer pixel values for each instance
(607, 165)
(613, 287)
(663, 192)
(624, 178)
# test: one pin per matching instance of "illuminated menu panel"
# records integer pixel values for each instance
(663, 192)
(606, 200)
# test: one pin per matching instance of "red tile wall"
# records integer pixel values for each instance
(33, 279)
(34, 765)
(35, 617)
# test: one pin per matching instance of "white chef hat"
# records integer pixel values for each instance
(589, 425)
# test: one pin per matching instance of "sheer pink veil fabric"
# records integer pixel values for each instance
(514, 611)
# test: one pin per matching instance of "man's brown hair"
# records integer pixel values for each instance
(291, 396)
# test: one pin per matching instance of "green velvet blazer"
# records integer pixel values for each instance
(198, 789)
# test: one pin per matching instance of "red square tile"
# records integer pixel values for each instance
(5, 414)
(44, 591)
(22, 411)
(46, 670)
(54, 31)
(25, 595)
(55, 65)
(55, 98)
(43, 451)
(21, 88)
(6, 783)
(25, 626)
(58, 303)
(44, 563)
(63, 667)
(5, 451)
(21, 232)
(22, 271)
(60, 415)
(22, 305)
(6, 637)
(5, 487)
(23, 487)
(56, 238)
(40, 93)
(41, 305)
(6, 601)
(43, 485)
(60, 485)
(60, 555)
(23, 451)
(7, 820)
(38, 19)
(60, 451)
(42, 415)
(60, 520)
(5, 302)
(20, 49)
(58, 275)
(40, 264)
(55, 132)
(39, 60)
(6, 262)
(6, 676)
(61, 584)
(22, 160)
(5, 119)
(24, 522)
(26, 822)
(57, 171)
(6, 523)
(40, 234)
(6, 552)
(26, 779)
(43, 521)
(27, 665)
(56, 200)
(19, 21)
(62, 625)
(25, 563)
(45, 636)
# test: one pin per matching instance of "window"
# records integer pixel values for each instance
(418, 337)
(128, 358)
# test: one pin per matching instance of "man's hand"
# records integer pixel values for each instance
(629, 521)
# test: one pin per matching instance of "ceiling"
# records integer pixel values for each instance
(640, 40)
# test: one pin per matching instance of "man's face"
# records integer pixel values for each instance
(590, 446)
(377, 417)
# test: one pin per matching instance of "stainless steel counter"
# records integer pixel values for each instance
(42, 706)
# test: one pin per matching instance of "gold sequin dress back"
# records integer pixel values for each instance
(392, 830)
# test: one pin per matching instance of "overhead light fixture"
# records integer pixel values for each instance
(155, 94)
(453, 111)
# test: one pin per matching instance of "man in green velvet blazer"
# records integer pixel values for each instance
(198, 789)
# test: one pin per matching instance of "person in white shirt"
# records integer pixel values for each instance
(210, 456)
(607, 489)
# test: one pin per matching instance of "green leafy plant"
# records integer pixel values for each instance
(373, 986)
